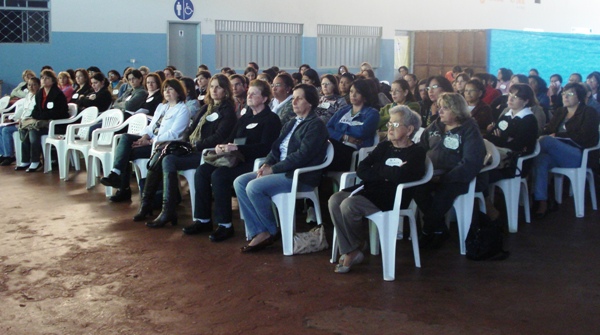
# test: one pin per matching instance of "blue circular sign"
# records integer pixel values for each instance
(184, 9)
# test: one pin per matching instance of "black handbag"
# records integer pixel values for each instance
(177, 148)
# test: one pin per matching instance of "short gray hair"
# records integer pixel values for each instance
(409, 117)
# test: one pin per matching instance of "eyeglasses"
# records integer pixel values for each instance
(276, 85)
(513, 96)
(432, 87)
(394, 125)
(568, 94)
(326, 84)
(471, 91)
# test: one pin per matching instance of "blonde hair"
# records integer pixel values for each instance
(456, 104)
(65, 74)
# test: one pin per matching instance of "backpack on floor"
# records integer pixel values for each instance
(485, 239)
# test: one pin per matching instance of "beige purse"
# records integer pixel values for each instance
(311, 241)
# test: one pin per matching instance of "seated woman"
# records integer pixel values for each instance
(435, 87)
(7, 150)
(480, 111)
(540, 88)
(114, 78)
(50, 104)
(66, 85)
(250, 73)
(461, 82)
(311, 77)
(353, 126)
(99, 96)
(456, 149)
(191, 100)
(209, 127)
(202, 79)
(395, 161)
(300, 144)
(281, 104)
(504, 76)
(515, 131)
(252, 136)
(153, 85)
(83, 85)
(169, 122)
(134, 97)
(21, 90)
(125, 83)
(346, 81)
(573, 128)
(401, 95)
(331, 100)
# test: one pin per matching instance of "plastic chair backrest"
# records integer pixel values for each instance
(4, 102)
(136, 123)
(110, 118)
(87, 115)
(73, 110)
(491, 149)
(535, 152)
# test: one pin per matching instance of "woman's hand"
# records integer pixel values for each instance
(264, 170)
(496, 132)
(353, 140)
(145, 140)
(224, 148)
(490, 126)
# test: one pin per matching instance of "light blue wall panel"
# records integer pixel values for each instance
(209, 56)
(73, 50)
(309, 52)
(548, 52)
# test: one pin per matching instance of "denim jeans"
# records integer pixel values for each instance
(254, 198)
(125, 153)
(7, 148)
(553, 153)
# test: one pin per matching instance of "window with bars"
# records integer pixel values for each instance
(24, 21)
(348, 45)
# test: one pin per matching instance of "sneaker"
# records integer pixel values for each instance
(113, 180)
(122, 195)
(197, 228)
(221, 234)
(6, 161)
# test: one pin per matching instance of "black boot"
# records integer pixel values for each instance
(168, 213)
(150, 188)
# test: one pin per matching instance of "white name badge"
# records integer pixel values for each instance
(26, 90)
(325, 105)
(451, 142)
(75, 96)
(149, 99)
(115, 92)
(252, 126)
(201, 97)
(502, 87)
(92, 97)
(50, 105)
(129, 97)
(212, 117)
(394, 162)
(503, 125)
(243, 111)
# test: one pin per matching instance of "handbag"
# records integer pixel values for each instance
(229, 159)
(177, 148)
(312, 241)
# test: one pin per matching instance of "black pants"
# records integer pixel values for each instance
(435, 200)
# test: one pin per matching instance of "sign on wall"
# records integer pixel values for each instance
(184, 9)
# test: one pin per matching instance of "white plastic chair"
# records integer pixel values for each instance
(515, 190)
(577, 177)
(60, 141)
(417, 137)
(110, 118)
(4, 101)
(5, 112)
(103, 154)
(383, 226)
(286, 203)
(463, 204)
(337, 175)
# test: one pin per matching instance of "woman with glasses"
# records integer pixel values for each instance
(134, 97)
(330, 100)
(456, 149)
(282, 97)
(573, 128)
(480, 111)
(401, 95)
(435, 87)
(392, 162)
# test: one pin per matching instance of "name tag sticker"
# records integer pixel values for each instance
(129, 97)
(503, 125)
(394, 162)
(75, 96)
(149, 99)
(325, 105)
(243, 111)
(252, 126)
(115, 92)
(451, 142)
(201, 97)
(212, 117)
(50, 105)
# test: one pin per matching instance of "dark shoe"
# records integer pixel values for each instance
(6, 161)
(2, 158)
(121, 195)
(144, 211)
(22, 168)
(221, 234)
(167, 214)
(540, 215)
(113, 180)
(254, 248)
(162, 220)
(197, 228)
(35, 169)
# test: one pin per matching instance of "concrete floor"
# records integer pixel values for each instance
(73, 263)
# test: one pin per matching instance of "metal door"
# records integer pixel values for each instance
(184, 47)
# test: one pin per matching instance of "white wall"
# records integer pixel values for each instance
(150, 16)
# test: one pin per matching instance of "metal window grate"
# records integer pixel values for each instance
(348, 45)
(268, 43)
(24, 21)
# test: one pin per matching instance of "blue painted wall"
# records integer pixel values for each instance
(548, 52)
(74, 50)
